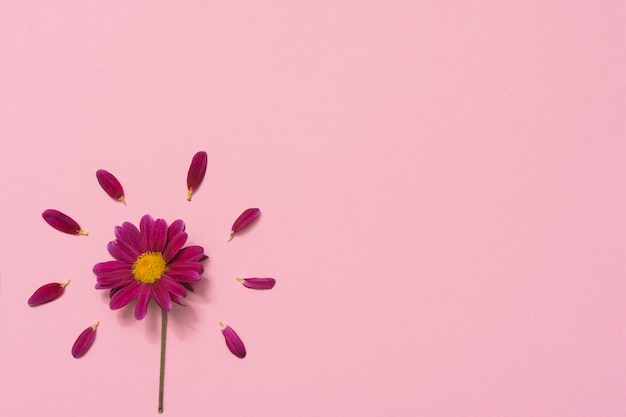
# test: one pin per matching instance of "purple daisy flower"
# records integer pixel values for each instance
(150, 262)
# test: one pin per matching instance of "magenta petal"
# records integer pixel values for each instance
(175, 228)
(110, 266)
(143, 298)
(128, 233)
(110, 185)
(47, 293)
(114, 276)
(124, 295)
(84, 341)
(159, 235)
(175, 289)
(62, 222)
(122, 252)
(161, 296)
(174, 244)
(112, 285)
(258, 283)
(129, 250)
(176, 238)
(184, 276)
(145, 227)
(190, 253)
(179, 266)
(244, 220)
(196, 172)
(233, 342)
(114, 279)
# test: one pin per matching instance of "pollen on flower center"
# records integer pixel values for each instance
(149, 267)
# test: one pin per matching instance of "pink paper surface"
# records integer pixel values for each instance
(443, 197)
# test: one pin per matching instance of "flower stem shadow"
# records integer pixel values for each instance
(185, 317)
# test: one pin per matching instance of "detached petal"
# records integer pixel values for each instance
(258, 283)
(233, 342)
(47, 293)
(62, 222)
(84, 341)
(196, 172)
(243, 220)
(110, 185)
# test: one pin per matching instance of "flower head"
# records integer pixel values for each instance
(150, 262)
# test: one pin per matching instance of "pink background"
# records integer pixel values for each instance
(443, 187)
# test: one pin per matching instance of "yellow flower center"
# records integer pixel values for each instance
(149, 267)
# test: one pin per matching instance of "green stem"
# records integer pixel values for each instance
(162, 371)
